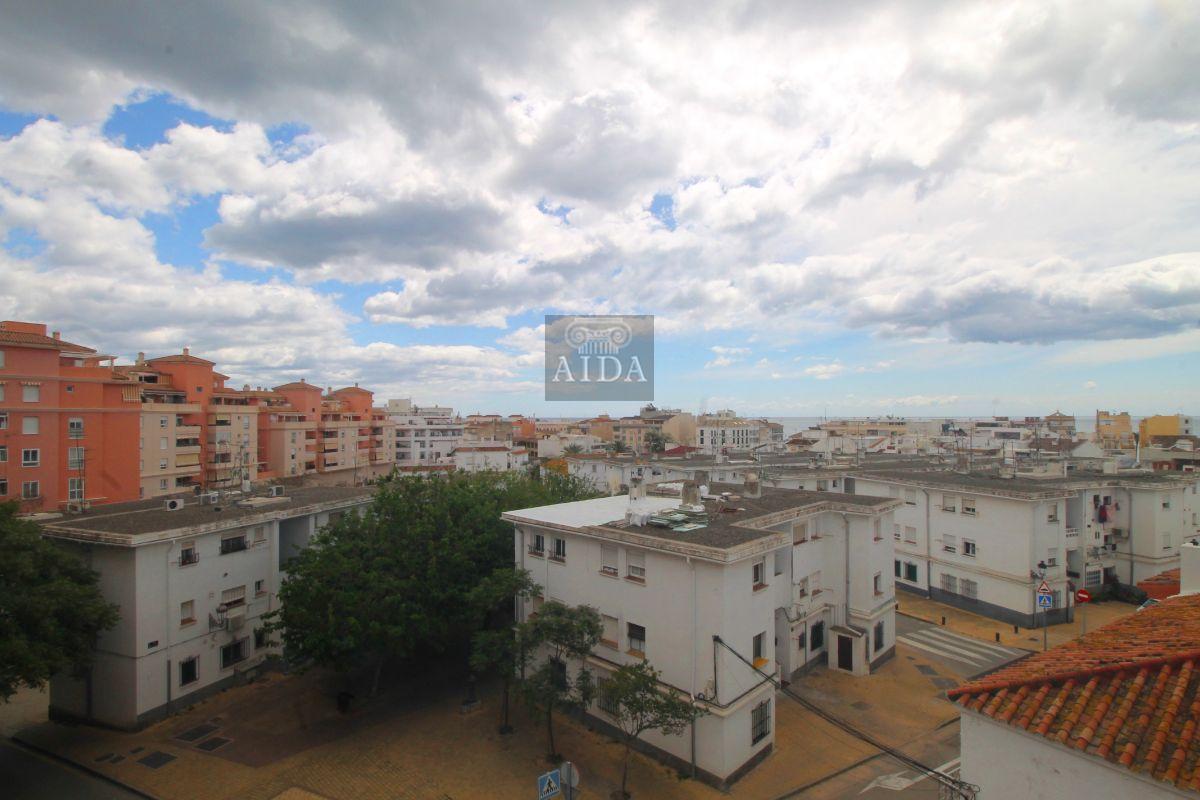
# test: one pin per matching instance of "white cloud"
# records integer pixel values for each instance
(726, 356)
(824, 372)
(1089, 385)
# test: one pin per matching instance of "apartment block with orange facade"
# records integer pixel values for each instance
(67, 421)
(77, 429)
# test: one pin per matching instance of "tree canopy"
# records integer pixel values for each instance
(421, 569)
(562, 634)
(51, 609)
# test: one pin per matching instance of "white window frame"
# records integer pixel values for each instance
(31, 393)
(635, 565)
(28, 493)
(969, 548)
(75, 428)
(76, 488)
(758, 574)
(28, 460)
(609, 555)
(31, 426)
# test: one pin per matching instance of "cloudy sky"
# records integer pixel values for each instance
(914, 208)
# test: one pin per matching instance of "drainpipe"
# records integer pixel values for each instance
(846, 525)
(695, 624)
(1130, 529)
(929, 547)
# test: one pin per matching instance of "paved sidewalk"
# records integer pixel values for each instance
(985, 628)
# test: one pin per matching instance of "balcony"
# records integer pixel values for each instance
(187, 431)
(1072, 532)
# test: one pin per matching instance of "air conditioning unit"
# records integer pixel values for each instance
(275, 491)
(209, 498)
(236, 617)
(1112, 548)
(174, 504)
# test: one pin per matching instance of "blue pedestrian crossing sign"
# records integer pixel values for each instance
(1045, 601)
(549, 784)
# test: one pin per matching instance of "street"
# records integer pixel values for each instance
(960, 654)
(26, 775)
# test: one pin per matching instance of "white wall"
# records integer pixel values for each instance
(1007, 762)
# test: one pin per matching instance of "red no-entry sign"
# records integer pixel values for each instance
(1082, 596)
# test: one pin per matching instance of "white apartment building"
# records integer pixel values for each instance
(192, 585)
(982, 542)
(426, 440)
(719, 433)
(723, 593)
(486, 456)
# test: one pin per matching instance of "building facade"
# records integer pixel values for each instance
(192, 585)
(724, 593)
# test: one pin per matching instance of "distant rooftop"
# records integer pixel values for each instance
(1042, 487)
(127, 520)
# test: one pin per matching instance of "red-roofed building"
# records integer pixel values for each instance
(1111, 715)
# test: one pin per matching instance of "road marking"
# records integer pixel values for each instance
(941, 645)
(967, 641)
(899, 781)
(976, 661)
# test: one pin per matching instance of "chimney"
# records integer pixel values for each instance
(691, 494)
(141, 358)
(56, 335)
(637, 490)
(187, 351)
(753, 487)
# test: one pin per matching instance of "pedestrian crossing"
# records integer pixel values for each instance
(963, 649)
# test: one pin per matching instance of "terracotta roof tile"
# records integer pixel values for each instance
(1128, 693)
(40, 341)
(179, 358)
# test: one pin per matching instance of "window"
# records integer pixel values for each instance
(162, 463)
(3, 454)
(74, 458)
(162, 443)
(758, 647)
(31, 490)
(162, 422)
(75, 428)
(760, 722)
(968, 507)
(233, 544)
(189, 671)
(260, 534)
(878, 530)
(896, 566)
(560, 550)
(910, 497)
(3, 487)
(233, 597)
(605, 699)
(29, 426)
(1051, 556)
(636, 568)
(245, 423)
(968, 548)
(260, 639)
(878, 636)
(233, 653)
(538, 546)
(31, 457)
(970, 588)
(3, 420)
(637, 639)
(74, 488)
(818, 636)
(799, 531)
(608, 559)
(187, 612)
(1166, 502)
(188, 555)
(949, 543)
(949, 503)
(260, 587)
(814, 582)
(896, 531)
(1052, 513)
(910, 534)
(910, 571)
(1166, 540)
(759, 572)
(31, 393)
(877, 583)
(608, 637)
(949, 584)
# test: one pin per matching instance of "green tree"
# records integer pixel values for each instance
(573, 449)
(426, 565)
(51, 609)
(616, 447)
(638, 702)
(562, 634)
(657, 441)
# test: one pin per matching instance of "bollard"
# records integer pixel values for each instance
(1015, 629)
(997, 637)
(943, 619)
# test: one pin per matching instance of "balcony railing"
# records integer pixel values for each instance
(233, 545)
(1072, 532)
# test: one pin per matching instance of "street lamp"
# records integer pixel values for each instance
(1041, 577)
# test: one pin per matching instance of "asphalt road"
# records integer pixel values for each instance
(25, 775)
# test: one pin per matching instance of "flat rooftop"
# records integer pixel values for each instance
(152, 516)
(729, 520)
(991, 482)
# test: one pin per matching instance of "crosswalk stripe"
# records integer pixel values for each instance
(976, 661)
(984, 647)
(937, 641)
